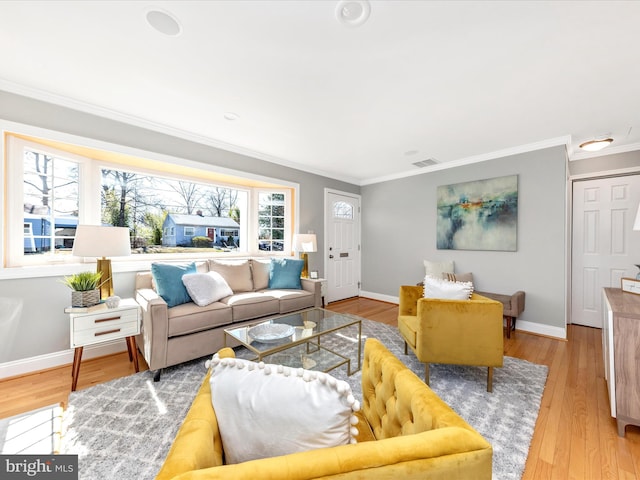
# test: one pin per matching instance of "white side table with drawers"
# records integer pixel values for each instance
(101, 324)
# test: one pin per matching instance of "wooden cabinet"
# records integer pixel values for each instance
(621, 350)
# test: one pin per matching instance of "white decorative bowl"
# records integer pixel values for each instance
(112, 302)
(271, 332)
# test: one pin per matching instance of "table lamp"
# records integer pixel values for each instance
(103, 242)
(305, 243)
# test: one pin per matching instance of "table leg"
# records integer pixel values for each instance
(133, 354)
(75, 369)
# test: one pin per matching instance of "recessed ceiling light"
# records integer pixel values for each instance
(595, 145)
(231, 116)
(163, 22)
(353, 13)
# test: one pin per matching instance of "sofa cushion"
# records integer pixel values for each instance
(441, 288)
(285, 273)
(237, 273)
(206, 288)
(168, 281)
(270, 410)
(292, 300)
(189, 318)
(248, 305)
(260, 271)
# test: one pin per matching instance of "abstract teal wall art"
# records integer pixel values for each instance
(478, 215)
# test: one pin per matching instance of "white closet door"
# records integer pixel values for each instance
(605, 248)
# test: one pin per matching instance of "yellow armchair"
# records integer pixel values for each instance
(458, 332)
(406, 431)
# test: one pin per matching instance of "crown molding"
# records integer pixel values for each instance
(530, 147)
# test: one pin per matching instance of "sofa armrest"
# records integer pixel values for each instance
(451, 452)
(315, 287)
(517, 303)
(154, 333)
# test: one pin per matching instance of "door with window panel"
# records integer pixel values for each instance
(342, 256)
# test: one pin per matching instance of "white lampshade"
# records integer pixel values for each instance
(98, 241)
(636, 224)
(305, 242)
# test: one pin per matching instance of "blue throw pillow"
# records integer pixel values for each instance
(168, 278)
(285, 273)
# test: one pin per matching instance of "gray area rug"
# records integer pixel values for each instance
(124, 428)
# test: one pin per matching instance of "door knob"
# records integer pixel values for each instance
(330, 256)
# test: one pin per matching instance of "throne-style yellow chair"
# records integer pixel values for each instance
(405, 431)
(457, 332)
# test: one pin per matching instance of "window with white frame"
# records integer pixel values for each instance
(272, 221)
(51, 191)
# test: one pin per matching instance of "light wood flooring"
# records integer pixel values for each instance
(574, 438)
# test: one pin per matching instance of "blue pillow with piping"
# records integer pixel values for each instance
(285, 273)
(168, 279)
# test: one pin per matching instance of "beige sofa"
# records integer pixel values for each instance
(170, 336)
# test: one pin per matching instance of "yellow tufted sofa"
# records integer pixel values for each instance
(457, 332)
(406, 432)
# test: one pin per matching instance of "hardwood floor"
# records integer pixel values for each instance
(575, 436)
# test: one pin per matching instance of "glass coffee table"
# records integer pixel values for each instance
(302, 339)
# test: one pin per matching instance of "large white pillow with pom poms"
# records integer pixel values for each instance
(266, 410)
(441, 288)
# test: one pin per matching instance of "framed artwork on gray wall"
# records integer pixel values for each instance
(478, 215)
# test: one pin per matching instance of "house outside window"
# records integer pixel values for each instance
(51, 191)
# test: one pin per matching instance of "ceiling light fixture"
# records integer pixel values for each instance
(595, 145)
(353, 13)
(163, 22)
(231, 116)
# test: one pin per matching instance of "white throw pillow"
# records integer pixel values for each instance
(206, 288)
(438, 269)
(266, 410)
(440, 288)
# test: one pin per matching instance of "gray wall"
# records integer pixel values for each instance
(398, 233)
(600, 165)
(43, 326)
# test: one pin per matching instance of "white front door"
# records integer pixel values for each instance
(604, 246)
(342, 245)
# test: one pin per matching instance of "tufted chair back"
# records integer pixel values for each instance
(395, 402)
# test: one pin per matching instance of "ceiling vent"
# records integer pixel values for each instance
(425, 163)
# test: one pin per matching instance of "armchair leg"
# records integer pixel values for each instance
(426, 373)
(406, 352)
(490, 379)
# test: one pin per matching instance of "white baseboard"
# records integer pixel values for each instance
(380, 296)
(522, 325)
(58, 359)
(540, 329)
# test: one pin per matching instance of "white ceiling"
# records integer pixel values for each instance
(454, 81)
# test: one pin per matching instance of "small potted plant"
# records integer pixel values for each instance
(85, 288)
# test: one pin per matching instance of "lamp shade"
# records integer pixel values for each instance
(636, 224)
(98, 241)
(305, 243)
